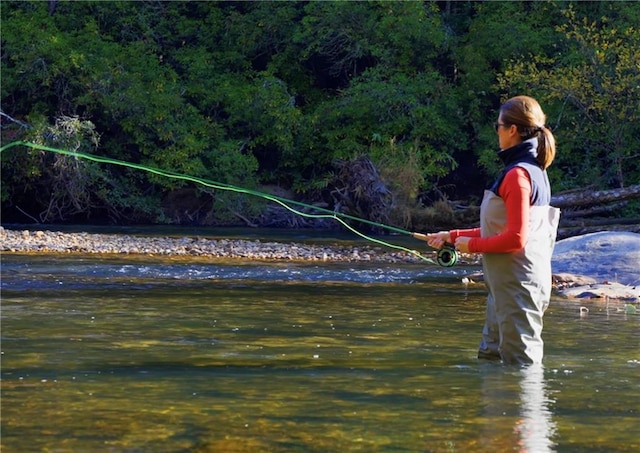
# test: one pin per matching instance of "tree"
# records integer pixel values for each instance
(276, 93)
(498, 32)
(103, 62)
(594, 82)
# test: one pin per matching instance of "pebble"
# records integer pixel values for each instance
(41, 241)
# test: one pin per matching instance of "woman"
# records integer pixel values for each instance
(516, 236)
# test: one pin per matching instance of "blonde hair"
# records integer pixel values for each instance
(527, 115)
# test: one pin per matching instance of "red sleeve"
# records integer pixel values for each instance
(515, 190)
(472, 232)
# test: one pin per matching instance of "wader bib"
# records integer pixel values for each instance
(519, 284)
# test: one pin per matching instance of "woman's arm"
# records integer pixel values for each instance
(471, 232)
(515, 190)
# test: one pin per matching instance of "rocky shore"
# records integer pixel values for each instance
(25, 241)
(569, 284)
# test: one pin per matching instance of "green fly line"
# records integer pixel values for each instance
(284, 202)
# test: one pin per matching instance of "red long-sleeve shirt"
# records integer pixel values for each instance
(515, 190)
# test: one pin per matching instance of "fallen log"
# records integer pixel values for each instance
(591, 197)
(586, 223)
(593, 210)
(564, 233)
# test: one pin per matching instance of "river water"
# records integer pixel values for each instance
(164, 355)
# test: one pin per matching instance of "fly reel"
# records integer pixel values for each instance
(447, 256)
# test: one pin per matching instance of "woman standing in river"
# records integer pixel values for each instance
(516, 236)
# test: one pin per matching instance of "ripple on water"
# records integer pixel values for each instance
(72, 273)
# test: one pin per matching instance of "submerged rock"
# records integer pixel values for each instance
(603, 291)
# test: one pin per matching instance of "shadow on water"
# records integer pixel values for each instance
(140, 355)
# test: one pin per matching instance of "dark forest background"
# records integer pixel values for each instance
(380, 109)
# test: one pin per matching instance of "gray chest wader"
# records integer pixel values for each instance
(519, 284)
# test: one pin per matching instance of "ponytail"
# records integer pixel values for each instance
(546, 147)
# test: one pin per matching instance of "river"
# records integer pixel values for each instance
(141, 354)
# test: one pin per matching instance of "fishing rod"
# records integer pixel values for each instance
(446, 256)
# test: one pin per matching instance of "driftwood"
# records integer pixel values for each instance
(589, 211)
(572, 231)
(594, 197)
(599, 222)
(276, 216)
(359, 191)
(592, 211)
(583, 211)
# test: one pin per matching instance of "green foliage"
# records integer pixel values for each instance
(65, 187)
(401, 169)
(347, 38)
(593, 86)
(498, 33)
(383, 109)
(253, 93)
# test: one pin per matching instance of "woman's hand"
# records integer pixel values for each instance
(435, 240)
(462, 244)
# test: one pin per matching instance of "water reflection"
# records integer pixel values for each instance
(537, 428)
(517, 409)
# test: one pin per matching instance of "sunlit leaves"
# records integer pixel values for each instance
(596, 84)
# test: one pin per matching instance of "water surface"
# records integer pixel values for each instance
(169, 355)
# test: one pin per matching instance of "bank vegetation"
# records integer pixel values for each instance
(380, 110)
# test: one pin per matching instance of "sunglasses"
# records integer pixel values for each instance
(497, 126)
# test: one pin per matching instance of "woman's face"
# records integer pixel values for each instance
(507, 134)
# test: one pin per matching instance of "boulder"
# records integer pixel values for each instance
(604, 256)
(611, 260)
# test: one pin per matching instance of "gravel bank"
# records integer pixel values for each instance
(26, 241)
